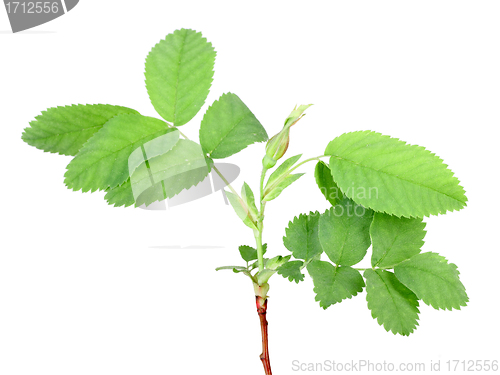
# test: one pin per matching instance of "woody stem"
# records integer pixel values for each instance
(262, 311)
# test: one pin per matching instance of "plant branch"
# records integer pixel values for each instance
(260, 223)
(260, 251)
(262, 311)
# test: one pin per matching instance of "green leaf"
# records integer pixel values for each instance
(276, 191)
(277, 261)
(344, 232)
(179, 72)
(433, 280)
(64, 130)
(235, 269)
(277, 182)
(241, 209)
(121, 195)
(104, 160)
(264, 276)
(249, 199)
(395, 239)
(249, 253)
(388, 175)
(302, 236)
(292, 271)
(334, 284)
(163, 176)
(279, 172)
(391, 303)
(228, 127)
(327, 186)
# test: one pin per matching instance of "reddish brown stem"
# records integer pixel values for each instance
(262, 311)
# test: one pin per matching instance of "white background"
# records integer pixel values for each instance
(88, 289)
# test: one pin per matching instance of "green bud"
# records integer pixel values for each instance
(296, 115)
(276, 147)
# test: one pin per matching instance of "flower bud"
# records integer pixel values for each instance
(276, 147)
(296, 115)
(278, 144)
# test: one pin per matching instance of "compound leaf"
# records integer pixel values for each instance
(344, 232)
(327, 186)
(334, 284)
(302, 236)
(391, 303)
(104, 160)
(395, 239)
(179, 72)
(64, 130)
(388, 175)
(433, 280)
(228, 127)
(292, 271)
